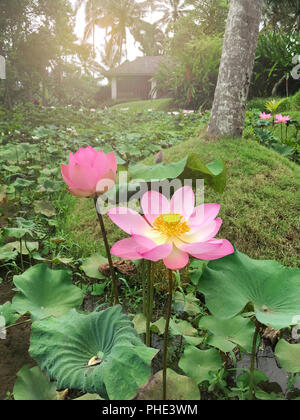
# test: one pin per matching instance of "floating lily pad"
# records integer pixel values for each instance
(229, 333)
(123, 361)
(32, 385)
(179, 388)
(197, 364)
(44, 292)
(230, 283)
(288, 356)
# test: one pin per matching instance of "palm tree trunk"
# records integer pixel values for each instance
(228, 113)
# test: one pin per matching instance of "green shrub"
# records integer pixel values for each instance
(287, 104)
(192, 77)
(295, 101)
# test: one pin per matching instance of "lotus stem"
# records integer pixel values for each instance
(150, 293)
(144, 285)
(165, 355)
(21, 254)
(20, 323)
(107, 248)
(253, 354)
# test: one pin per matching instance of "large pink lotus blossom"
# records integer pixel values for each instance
(90, 173)
(264, 116)
(281, 119)
(170, 231)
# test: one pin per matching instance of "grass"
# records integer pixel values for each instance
(260, 206)
(165, 104)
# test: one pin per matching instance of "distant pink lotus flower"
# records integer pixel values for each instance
(280, 119)
(90, 173)
(170, 231)
(264, 116)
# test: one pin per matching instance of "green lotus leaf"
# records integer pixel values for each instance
(22, 183)
(179, 388)
(91, 266)
(186, 303)
(158, 172)
(229, 333)
(158, 326)
(32, 385)
(139, 322)
(9, 313)
(191, 167)
(88, 397)
(45, 208)
(243, 380)
(17, 233)
(57, 260)
(49, 186)
(214, 173)
(44, 292)
(7, 254)
(102, 355)
(230, 283)
(180, 328)
(261, 395)
(12, 154)
(27, 247)
(197, 364)
(288, 356)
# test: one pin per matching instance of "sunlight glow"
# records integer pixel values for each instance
(133, 50)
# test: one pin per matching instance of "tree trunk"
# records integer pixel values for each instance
(277, 84)
(229, 108)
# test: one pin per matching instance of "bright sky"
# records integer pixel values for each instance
(133, 50)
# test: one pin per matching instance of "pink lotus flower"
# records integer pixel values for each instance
(90, 173)
(264, 116)
(281, 119)
(170, 231)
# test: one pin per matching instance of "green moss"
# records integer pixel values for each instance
(260, 206)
